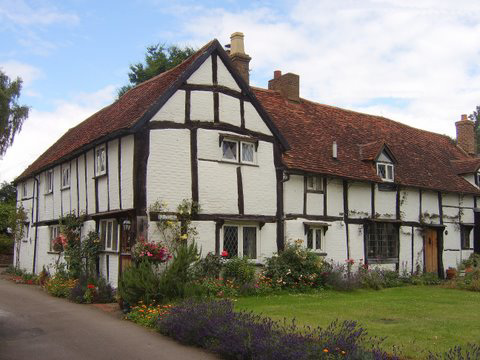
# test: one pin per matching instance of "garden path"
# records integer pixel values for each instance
(34, 325)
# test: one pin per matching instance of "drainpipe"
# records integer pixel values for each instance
(36, 227)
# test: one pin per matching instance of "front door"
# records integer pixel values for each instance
(431, 251)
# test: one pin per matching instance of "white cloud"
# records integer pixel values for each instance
(19, 12)
(423, 55)
(28, 73)
(42, 129)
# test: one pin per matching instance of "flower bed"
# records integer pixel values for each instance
(147, 315)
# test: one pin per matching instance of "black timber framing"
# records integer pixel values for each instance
(140, 160)
(194, 164)
(325, 202)
(345, 215)
(120, 173)
(241, 205)
(279, 168)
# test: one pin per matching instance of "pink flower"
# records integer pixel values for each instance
(350, 261)
(224, 253)
(149, 253)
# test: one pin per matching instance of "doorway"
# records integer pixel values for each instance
(431, 250)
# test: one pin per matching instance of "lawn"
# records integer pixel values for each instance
(416, 319)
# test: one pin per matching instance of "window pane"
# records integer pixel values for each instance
(318, 239)
(250, 242)
(310, 182)
(310, 239)
(230, 240)
(390, 172)
(115, 236)
(109, 235)
(229, 150)
(103, 232)
(381, 171)
(382, 241)
(247, 152)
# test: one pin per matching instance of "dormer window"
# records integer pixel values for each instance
(385, 171)
(100, 161)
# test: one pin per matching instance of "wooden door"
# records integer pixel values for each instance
(431, 251)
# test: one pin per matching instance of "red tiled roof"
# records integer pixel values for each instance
(371, 150)
(121, 115)
(423, 158)
(468, 166)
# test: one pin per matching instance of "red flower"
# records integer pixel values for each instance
(224, 253)
(91, 286)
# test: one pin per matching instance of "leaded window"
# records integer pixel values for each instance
(314, 239)
(49, 182)
(100, 161)
(66, 177)
(229, 150)
(109, 234)
(465, 231)
(314, 183)
(240, 240)
(248, 150)
(381, 242)
(385, 171)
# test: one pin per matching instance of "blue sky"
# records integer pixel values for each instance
(412, 61)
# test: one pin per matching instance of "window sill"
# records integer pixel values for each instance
(383, 261)
(314, 191)
(65, 188)
(236, 163)
(99, 176)
(53, 252)
(48, 193)
(109, 252)
(467, 248)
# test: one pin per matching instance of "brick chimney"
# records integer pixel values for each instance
(288, 85)
(240, 60)
(466, 134)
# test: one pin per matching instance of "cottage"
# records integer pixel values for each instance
(266, 166)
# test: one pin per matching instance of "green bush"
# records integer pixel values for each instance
(6, 245)
(295, 267)
(240, 271)
(179, 272)
(209, 267)
(139, 283)
(60, 286)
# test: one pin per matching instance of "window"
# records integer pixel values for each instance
(24, 190)
(315, 239)
(109, 234)
(240, 241)
(100, 161)
(66, 177)
(314, 183)
(381, 242)
(238, 151)
(54, 232)
(385, 171)
(49, 182)
(465, 231)
(477, 178)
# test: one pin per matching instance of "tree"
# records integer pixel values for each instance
(475, 117)
(158, 59)
(12, 115)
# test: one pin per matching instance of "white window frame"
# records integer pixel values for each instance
(98, 170)
(54, 231)
(239, 152)
(49, 180)
(316, 231)
(254, 153)
(315, 183)
(387, 166)
(240, 239)
(66, 169)
(109, 232)
(24, 190)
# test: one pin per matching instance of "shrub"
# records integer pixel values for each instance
(240, 335)
(425, 279)
(240, 271)
(211, 287)
(139, 283)
(209, 267)
(466, 352)
(6, 244)
(60, 286)
(295, 267)
(147, 315)
(338, 278)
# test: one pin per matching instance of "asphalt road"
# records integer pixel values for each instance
(37, 326)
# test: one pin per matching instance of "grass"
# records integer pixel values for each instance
(415, 319)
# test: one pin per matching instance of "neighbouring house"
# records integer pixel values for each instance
(265, 165)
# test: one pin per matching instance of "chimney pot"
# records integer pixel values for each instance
(237, 44)
(277, 74)
(466, 134)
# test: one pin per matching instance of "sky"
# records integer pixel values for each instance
(416, 62)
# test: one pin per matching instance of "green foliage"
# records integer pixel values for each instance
(90, 249)
(211, 288)
(91, 290)
(8, 193)
(147, 315)
(475, 117)
(179, 272)
(6, 245)
(240, 271)
(209, 267)
(12, 115)
(139, 283)
(425, 279)
(60, 286)
(158, 59)
(295, 267)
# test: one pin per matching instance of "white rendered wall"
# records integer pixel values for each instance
(169, 168)
(430, 211)
(229, 110)
(409, 204)
(267, 237)
(385, 203)
(217, 187)
(206, 236)
(314, 203)
(127, 171)
(224, 78)
(253, 121)
(405, 255)
(91, 181)
(201, 106)
(173, 109)
(356, 242)
(203, 75)
(293, 195)
(359, 200)
(113, 195)
(334, 197)
(82, 190)
(57, 195)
